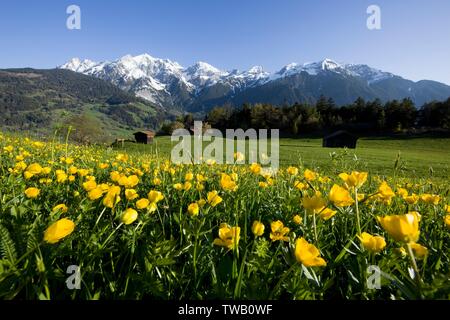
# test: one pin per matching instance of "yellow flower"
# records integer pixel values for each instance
(129, 216)
(142, 203)
(447, 208)
(340, 196)
(263, 184)
(95, 193)
(131, 194)
(403, 228)
(178, 186)
(227, 183)
(156, 181)
(430, 198)
(228, 236)
(89, 185)
(32, 192)
(293, 171)
(258, 228)
(327, 213)
(402, 192)
(355, 179)
(60, 207)
(307, 254)
(310, 175)
(155, 196)
(201, 203)
(313, 204)
(112, 197)
(213, 198)
(297, 219)
(372, 243)
(300, 185)
(419, 251)
(412, 199)
(34, 169)
(61, 176)
(193, 209)
(385, 193)
(59, 230)
(279, 231)
(187, 186)
(189, 176)
(447, 220)
(255, 168)
(200, 178)
(199, 186)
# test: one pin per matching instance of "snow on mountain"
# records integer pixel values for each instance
(369, 74)
(164, 81)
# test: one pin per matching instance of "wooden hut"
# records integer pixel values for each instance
(340, 139)
(145, 136)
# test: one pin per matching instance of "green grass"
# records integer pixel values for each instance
(417, 157)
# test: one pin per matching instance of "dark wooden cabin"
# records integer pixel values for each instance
(340, 139)
(145, 136)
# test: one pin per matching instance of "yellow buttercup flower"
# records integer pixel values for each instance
(313, 204)
(34, 169)
(300, 185)
(189, 176)
(419, 251)
(385, 193)
(178, 186)
(372, 243)
(307, 254)
(447, 208)
(402, 228)
(412, 199)
(340, 196)
(293, 171)
(59, 230)
(279, 231)
(32, 192)
(155, 196)
(193, 209)
(228, 236)
(201, 203)
(430, 198)
(310, 175)
(60, 207)
(258, 228)
(402, 192)
(187, 186)
(112, 197)
(227, 183)
(131, 194)
(327, 213)
(355, 179)
(95, 193)
(255, 168)
(89, 185)
(213, 198)
(142, 203)
(297, 219)
(129, 216)
(447, 220)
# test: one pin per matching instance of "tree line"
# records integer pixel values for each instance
(368, 117)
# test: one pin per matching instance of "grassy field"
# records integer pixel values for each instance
(407, 157)
(136, 226)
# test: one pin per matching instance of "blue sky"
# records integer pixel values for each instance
(414, 41)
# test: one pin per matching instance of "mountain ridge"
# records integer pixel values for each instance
(199, 87)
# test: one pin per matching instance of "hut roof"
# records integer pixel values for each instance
(146, 132)
(340, 133)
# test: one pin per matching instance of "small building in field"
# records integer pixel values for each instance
(340, 139)
(145, 136)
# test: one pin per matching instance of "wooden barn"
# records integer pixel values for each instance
(145, 136)
(340, 139)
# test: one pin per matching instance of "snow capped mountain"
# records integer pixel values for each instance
(201, 86)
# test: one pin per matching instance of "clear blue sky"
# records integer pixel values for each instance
(414, 41)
